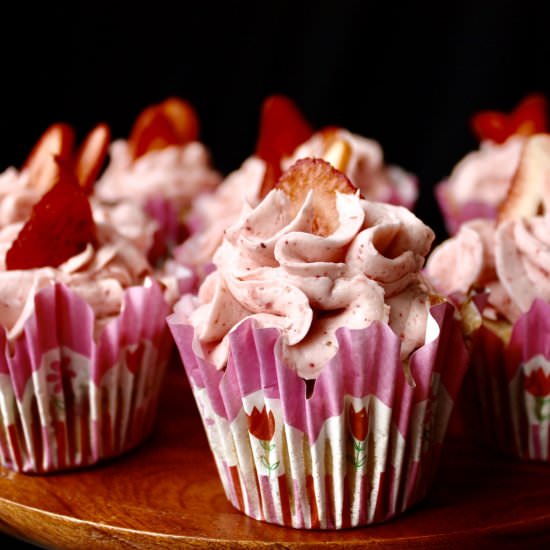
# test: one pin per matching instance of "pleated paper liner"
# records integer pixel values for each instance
(505, 401)
(69, 400)
(361, 449)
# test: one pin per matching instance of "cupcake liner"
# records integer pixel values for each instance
(169, 228)
(506, 396)
(455, 215)
(363, 447)
(67, 400)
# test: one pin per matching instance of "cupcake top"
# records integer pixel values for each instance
(61, 243)
(284, 138)
(161, 159)
(480, 181)
(509, 256)
(21, 189)
(314, 256)
(364, 166)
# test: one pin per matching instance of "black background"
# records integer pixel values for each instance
(409, 75)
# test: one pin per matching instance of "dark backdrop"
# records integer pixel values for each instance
(409, 76)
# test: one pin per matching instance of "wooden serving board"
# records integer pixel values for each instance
(166, 494)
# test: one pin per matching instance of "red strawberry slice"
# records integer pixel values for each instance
(317, 175)
(91, 155)
(530, 187)
(172, 122)
(528, 118)
(183, 118)
(282, 129)
(61, 225)
(56, 141)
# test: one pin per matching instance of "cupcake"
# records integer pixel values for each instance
(21, 189)
(323, 367)
(82, 333)
(162, 167)
(480, 181)
(284, 137)
(497, 270)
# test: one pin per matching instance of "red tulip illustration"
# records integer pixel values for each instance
(359, 423)
(537, 383)
(359, 427)
(261, 424)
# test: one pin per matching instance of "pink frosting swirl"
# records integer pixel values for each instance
(17, 196)
(272, 268)
(212, 214)
(366, 168)
(100, 276)
(176, 173)
(511, 260)
(479, 182)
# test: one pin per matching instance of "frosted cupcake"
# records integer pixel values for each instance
(498, 271)
(82, 334)
(284, 137)
(162, 167)
(480, 181)
(21, 189)
(323, 375)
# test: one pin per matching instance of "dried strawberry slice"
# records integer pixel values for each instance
(172, 122)
(530, 187)
(528, 118)
(282, 129)
(183, 118)
(317, 175)
(61, 225)
(56, 141)
(91, 155)
(338, 153)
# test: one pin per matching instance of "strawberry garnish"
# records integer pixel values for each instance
(91, 155)
(282, 129)
(61, 225)
(172, 122)
(319, 176)
(56, 141)
(337, 152)
(529, 190)
(528, 118)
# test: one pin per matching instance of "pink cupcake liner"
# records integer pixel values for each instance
(363, 447)
(169, 227)
(505, 400)
(68, 400)
(455, 215)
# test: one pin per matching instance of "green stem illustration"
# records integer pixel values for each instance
(540, 403)
(264, 459)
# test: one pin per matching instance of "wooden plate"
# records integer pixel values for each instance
(166, 494)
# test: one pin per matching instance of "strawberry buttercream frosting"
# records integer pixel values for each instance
(511, 260)
(18, 194)
(176, 173)
(212, 214)
(365, 167)
(480, 181)
(271, 267)
(98, 275)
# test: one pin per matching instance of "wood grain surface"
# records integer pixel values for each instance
(166, 494)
